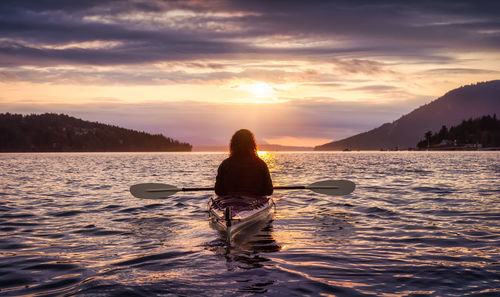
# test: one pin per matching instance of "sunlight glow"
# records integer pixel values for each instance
(259, 89)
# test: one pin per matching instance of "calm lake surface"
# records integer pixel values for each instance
(418, 223)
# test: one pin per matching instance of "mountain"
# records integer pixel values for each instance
(61, 133)
(466, 102)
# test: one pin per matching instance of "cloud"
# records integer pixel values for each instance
(154, 31)
(360, 66)
(181, 72)
(459, 71)
(390, 92)
(375, 88)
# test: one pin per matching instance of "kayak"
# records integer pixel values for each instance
(233, 213)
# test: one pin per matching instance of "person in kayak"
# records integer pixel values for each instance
(243, 172)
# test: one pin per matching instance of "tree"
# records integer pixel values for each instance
(443, 133)
(428, 136)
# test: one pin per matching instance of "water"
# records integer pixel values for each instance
(418, 223)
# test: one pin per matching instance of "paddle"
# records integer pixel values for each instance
(158, 191)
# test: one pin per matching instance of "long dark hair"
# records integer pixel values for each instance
(243, 144)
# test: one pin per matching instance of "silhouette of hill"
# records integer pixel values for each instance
(61, 133)
(466, 102)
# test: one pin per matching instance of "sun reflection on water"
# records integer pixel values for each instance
(269, 158)
(261, 153)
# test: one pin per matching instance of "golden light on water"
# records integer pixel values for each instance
(261, 154)
(269, 158)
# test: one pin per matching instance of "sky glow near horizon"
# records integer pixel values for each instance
(295, 72)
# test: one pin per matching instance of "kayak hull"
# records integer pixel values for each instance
(233, 213)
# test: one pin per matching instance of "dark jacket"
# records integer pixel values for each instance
(243, 175)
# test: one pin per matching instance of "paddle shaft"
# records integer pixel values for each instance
(196, 189)
(289, 187)
(303, 187)
(179, 189)
(211, 189)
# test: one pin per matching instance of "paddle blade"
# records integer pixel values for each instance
(333, 187)
(153, 190)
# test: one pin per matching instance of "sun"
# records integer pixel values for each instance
(259, 92)
(262, 89)
(259, 89)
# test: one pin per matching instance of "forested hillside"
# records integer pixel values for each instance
(61, 133)
(481, 132)
(471, 101)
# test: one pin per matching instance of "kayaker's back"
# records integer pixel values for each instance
(243, 174)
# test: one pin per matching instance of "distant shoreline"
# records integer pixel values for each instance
(262, 147)
(269, 151)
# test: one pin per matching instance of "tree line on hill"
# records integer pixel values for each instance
(51, 132)
(472, 133)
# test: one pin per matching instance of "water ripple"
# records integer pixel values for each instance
(418, 224)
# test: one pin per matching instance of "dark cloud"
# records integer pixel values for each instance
(403, 24)
(140, 53)
(229, 29)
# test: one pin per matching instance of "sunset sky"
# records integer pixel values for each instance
(294, 72)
